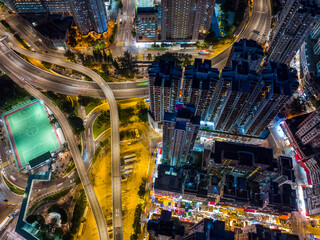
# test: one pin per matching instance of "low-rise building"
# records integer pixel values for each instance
(208, 229)
(147, 24)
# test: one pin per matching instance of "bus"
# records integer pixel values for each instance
(5, 223)
(130, 160)
(128, 172)
(129, 156)
(203, 52)
(127, 167)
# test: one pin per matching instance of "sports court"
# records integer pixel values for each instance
(30, 131)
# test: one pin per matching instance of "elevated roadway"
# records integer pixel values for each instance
(68, 133)
(115, 137)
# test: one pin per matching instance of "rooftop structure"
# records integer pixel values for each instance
(164, 227)
(26, 230)
(247, 51)
(208, 229)
(180, 130)
(257, 232)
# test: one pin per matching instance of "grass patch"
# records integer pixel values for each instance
(89, 107)
(53, 197)
(23, 42)
(13, 188)
(78, 211)
(98, 129)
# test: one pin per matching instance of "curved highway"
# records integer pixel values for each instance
(12, 64)
(260, 22)
(81, 169)
(115, 137)
(62, 84)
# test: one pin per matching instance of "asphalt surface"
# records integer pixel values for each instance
(61, 84)
(260, 22)
(21, 70)
(115, 138)
(68, 133)
(124, 39)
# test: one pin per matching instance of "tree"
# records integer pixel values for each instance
(126, 66)
(104, 55)
(104, 118)
(67, 107)
(296, 107)
(142, 188)
(210, 38)
(142, 111)
(76, 123)
(119, 5)
(125, 114)
(168, 56)
(70, 55)
(85, 100)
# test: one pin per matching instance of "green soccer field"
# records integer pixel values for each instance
(31, 132)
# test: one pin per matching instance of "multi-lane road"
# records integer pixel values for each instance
(259, 22)
(19, 69)
(114, 123)
(81, 169)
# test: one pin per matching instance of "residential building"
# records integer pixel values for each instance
(308, 131)
(296, 21)
(87, 14)
(183, 20)
(239, 175)
(241, 82)
(199, 83)
(252, 177)
(315, 33)
(302, 133)
(208, 229)
(180, 130)
(310, 63)
(164, 88)
(280, 83)
(147, 24)
(247, 51)
(259, 232)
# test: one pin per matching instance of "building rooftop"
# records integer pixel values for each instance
(244, 153)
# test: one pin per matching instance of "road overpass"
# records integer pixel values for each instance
(115, 142)
(259, 21)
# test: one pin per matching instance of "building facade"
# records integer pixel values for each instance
(199, 83)
(147, 24)
(247, 51)
(180, 130)
(296, 21)
(164, 88)
(87, 14)
(183, 20)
